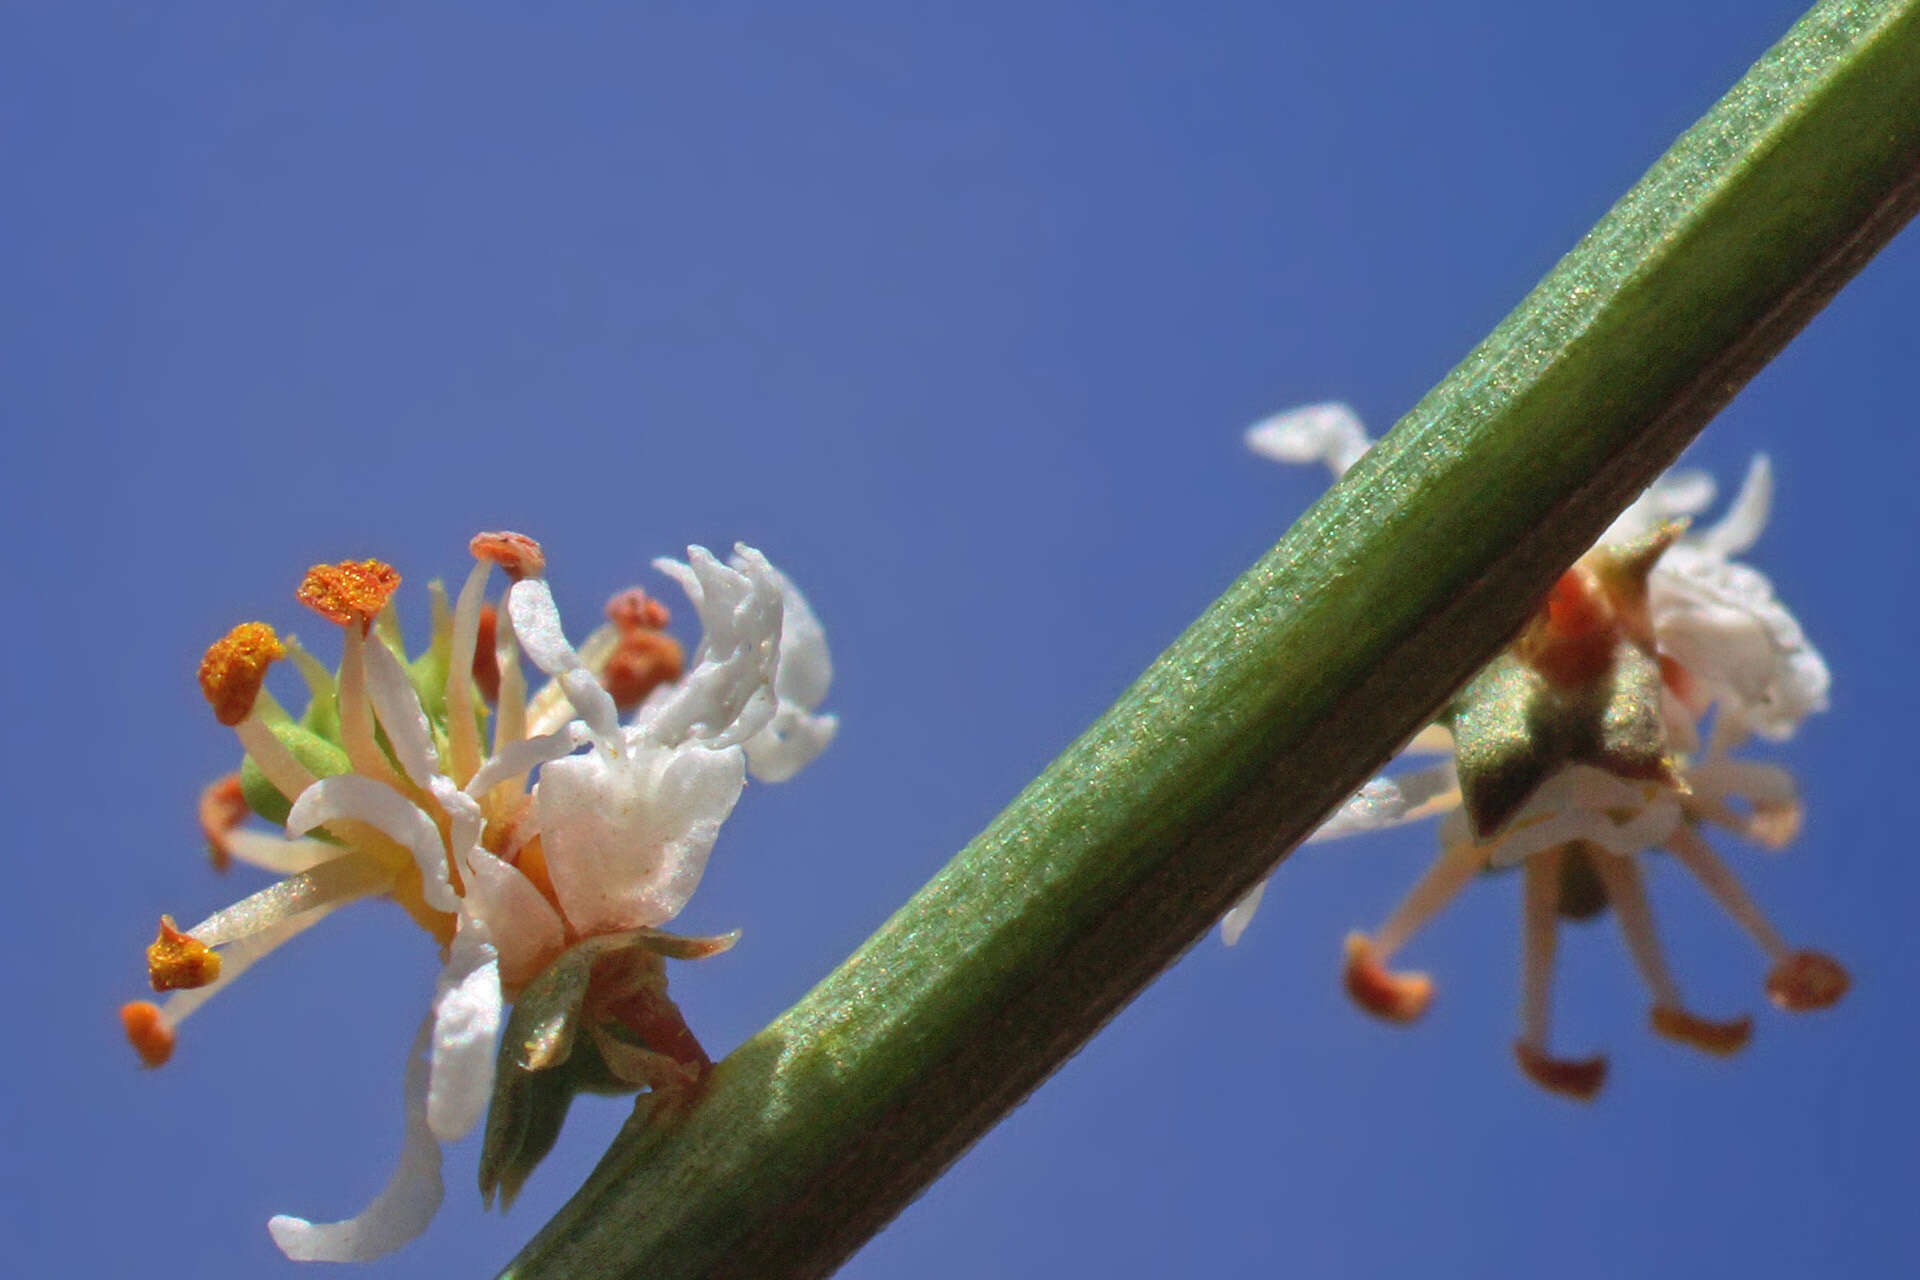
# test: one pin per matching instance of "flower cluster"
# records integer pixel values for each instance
(1580, 749)
(541, 836)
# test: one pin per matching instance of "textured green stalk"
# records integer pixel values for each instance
(1295, 685)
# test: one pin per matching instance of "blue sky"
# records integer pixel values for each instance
(957, 311)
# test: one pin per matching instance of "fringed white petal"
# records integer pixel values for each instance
(466, 1032)
(627, 836)
(349, 795)
(727, 695)
(1329, 433)
(1235, 922)
(1389, 802)
(402, 1209)
(1578, 803)
(526, 930)
(536, 624)
(795, 735)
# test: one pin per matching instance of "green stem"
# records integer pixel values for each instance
(1288, 692)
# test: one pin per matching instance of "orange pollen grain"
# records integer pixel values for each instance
(231, 673)
(516, 553)
(222, 808)
(180, 961)
(351, 591)
(147, 1031)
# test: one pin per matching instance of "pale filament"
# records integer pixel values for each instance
(1726, 889)
(1627, 894)
(1447, 875)
(1541, 901)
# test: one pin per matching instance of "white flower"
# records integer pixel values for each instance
(570, 826)
(1713, 636)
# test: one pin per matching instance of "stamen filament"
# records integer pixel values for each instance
(1726, 888)
(348, 876)
(275, 760)
(1538, 943)
(356, 713)
(463, 733)
(1628, 894)
(1447, 875)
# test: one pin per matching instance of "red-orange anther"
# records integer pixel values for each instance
(351, 591)
(643, 662)
(1807, 980)
(1722, 1038)
(634, 608)
(222, 808)
(177, 961)
(1578, 1078)
(1396, 997)
(231, 673)
(147, 1031)
(516, 553)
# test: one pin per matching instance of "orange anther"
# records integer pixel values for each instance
(222, 808)
(1571, 639)
(1807, 980)
(1397, 997)
(231, 673)
(1720, 1038)
(634, 609)
(643, 662)
(486, 662)
(147, 1031)
(177, 960)
(1578, 1078)
(516, 553)
(351, 591)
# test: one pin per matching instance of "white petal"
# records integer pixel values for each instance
(536, 625)
(1389, 802)
(1740, 528)
(1235, 922)
(1329, 433)
(1674, 496)
(401, 715)
(1720, 620)
(466, 1033)
(402, 1209)
(515, 758)
(526, 930)
(627, 836)
(795, 735)
(348, 795)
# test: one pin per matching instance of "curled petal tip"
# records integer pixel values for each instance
(1705, 1034)
(1577, 1078)
(1396, 997)
(1807, 980)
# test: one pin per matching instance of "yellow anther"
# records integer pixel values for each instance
(351, 591)
(222, 808)
(179, 960)
(516, 553)
(147, 1031)
(231, 673)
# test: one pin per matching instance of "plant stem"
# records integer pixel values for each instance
(1292, 688)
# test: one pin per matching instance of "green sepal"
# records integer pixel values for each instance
(322, 758)
(1513, 729)
(544, 1060)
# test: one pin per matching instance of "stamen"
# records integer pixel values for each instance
(177, 960)
(1539, 902)
(349, 876)
(486, 662)
(510, 706)
(1722, 1038)
(463, 733)
(1396, 997)
(516, 553)
(356, 713)
(1576, 1078)
(222, 808)
(1670, 1017)
(1807, 980)
(147, 1031)
(644, 661)
(1799, 980)
(276, 761)
(633, 609)
(351, 591)
(233, 669)
(1447, 875)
